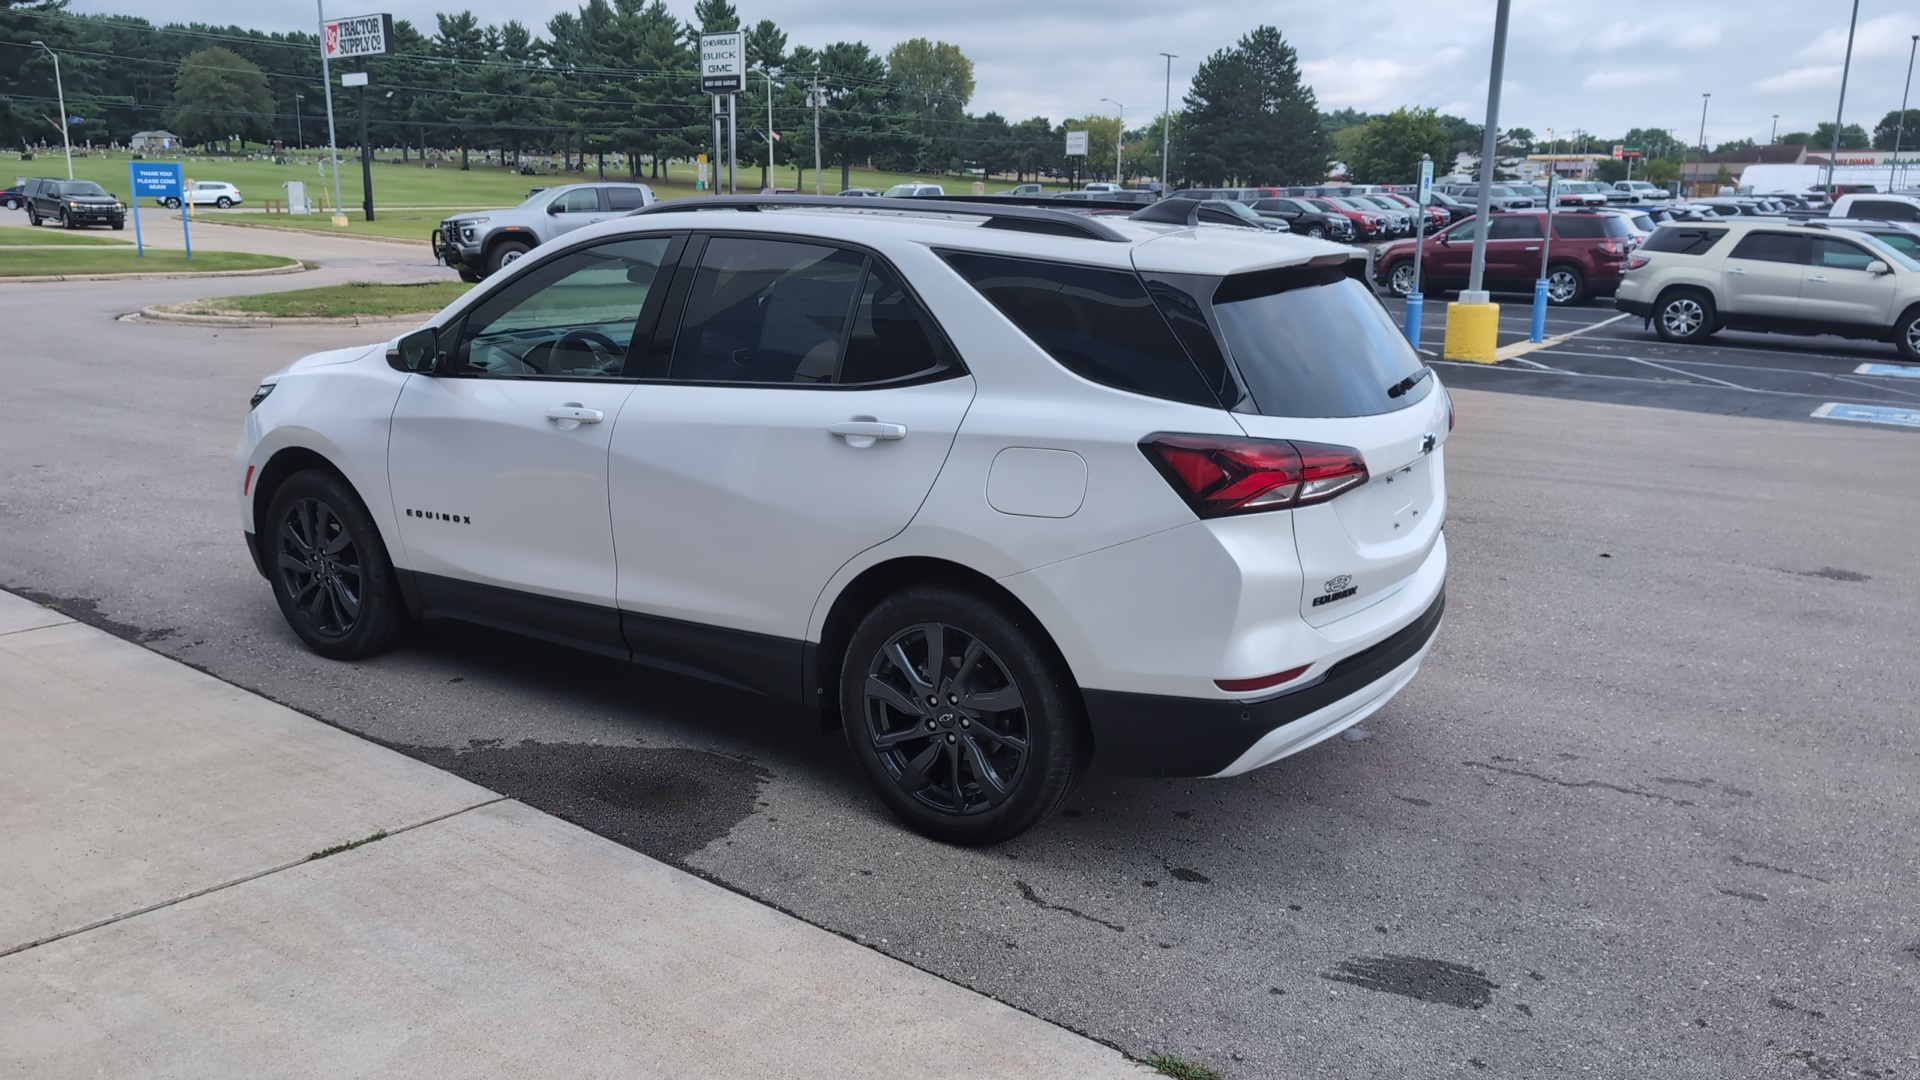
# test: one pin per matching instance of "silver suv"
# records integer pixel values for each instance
(1690, 280)
(480, 243)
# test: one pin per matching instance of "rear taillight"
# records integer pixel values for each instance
(1615, 247)
(1637, 261)
(1222, 475)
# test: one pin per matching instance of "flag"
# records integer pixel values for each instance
(775, 137)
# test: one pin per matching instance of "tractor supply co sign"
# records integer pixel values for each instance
(361, 35)
(1076, 144)
(723, 63)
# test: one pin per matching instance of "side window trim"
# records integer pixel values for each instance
(659, 357)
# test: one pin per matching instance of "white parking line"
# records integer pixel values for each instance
(1686, 374)
(1868, 414)
(1742, 367)
(1892, 371)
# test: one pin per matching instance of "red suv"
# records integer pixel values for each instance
(1366, 226)
(1584, 260)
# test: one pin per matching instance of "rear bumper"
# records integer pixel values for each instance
(1149, 735)
(1634, 307)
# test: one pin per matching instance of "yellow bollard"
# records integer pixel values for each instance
(1473, 331)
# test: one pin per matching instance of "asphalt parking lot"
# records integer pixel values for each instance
(1648, 810)
(1614, 357)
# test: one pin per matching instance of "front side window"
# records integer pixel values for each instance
(1772, 247)
(570, 317)
(767, 311)
(1099, 324)
(1840, 255)
(1466, 230)
(579, 201)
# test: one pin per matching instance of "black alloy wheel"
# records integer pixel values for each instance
(960, 716)
(330, 572)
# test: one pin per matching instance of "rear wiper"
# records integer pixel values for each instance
(1409, 382)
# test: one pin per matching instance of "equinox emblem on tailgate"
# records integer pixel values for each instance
(1336, 588)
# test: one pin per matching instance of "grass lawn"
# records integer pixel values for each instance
(17, 263)
(398, 224)
(55, 238)
(353, 298)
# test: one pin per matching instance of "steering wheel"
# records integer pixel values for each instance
(607, 352)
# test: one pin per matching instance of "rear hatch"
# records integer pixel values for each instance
(1322, 365)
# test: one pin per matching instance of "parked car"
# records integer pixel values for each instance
(1638, 191)
(1063, 531)
(1640, 224)
(1588, 251)
(1399, 219)
(1689, 281)
(1100, 187)
(1580, 193)
(14, 198)
(1901, 236)
(1503, 198)
(1437, 218)
(478, 244)
(1367, 224)
(1035, 190)
(215, 193)
(1737, 206)
(1306, 220)
(860, 193)
(1456, 210)
(72, 203)
(914, 191)
(1888, 207)
(779, 191)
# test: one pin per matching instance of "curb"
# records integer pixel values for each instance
(267, 271)
(156, 314)
(319, 232)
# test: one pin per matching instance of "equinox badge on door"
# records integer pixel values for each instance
(1338, 588)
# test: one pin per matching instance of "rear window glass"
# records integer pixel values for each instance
(1771, 247)
(1099, 324)
(1590, 227)
(1682, 239)
(626, 198)
(1312, 341)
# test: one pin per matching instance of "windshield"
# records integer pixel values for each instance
(81, 187)
(538, 199)
(1312, 341)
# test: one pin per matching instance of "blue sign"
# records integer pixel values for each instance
(1897, 371)
(76, 119)
(1870, 414)
(160, 181)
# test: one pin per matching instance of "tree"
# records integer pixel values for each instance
(1610, 170)
(1339, 120)
(1885, 131)
(1739, 144)
(1722, 176)
(932, 82)
(1661, 171)
(1249, 117)
(1654, 142)
(1852, 137)
(1802, 138)
(1389, 148)
(219, 94)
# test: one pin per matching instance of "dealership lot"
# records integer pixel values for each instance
(1612, 357)
(1648, 808)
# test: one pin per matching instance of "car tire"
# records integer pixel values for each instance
(119, 226)
(1684, 316)
(1401, 282)
(13, 204)
(223, 202)
(471, 277)
(33, 219)
(1906, 335)
(1317, 232)
(171, 203)
(505, 253)
(929, 737)
(1566, 286)
(329, 569)
(66, 221)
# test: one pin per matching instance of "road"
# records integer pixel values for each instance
(1648, 810)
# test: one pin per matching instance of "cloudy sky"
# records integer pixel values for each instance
(1603, 66)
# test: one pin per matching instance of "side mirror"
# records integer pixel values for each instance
(554, 207)
(1445, 238)
(415, 353)
(1878, 267)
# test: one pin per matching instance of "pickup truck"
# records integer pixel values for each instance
(1637, 191)
(480, 242)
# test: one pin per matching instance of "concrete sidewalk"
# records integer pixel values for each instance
(160, 914)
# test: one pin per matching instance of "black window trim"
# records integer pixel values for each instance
(449, 336)
(659, 358)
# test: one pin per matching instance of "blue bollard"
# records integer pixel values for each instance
(1539, 332)
(1415, 302)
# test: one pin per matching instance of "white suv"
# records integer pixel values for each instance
(207, 193)
(997, 489)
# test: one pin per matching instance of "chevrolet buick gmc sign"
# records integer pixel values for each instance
(723, 62)
(361, 35)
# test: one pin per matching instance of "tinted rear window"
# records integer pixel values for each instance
(1099, 324)
(1772, 247)
(1583, 227)
(1312, 341)
(1683, 239)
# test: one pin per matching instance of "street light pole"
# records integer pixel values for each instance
(333, 140)
(1701, 161)
(299, 133)
(1166, 126)
(1845, 68)
(1900, 128)
(1489, 145)
(1773, 136)
(60, 89)
(1119, 131)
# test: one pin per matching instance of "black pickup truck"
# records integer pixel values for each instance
(72, 203)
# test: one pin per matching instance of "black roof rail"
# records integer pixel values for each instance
(1013, 215)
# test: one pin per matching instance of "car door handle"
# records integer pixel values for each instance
(1535, 247)
(572, 415)
(1818, 277)
(1735, 270)
(864, 433)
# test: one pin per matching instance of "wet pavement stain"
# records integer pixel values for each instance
(1419, 978)
(1185, 874)
(666, 803)
(1598, 784)
(1032, 897)
(1832, 574)
(86, 609)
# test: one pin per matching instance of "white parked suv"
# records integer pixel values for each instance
(207, 193)
(999, 490)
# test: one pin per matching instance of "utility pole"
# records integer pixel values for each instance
(1119, 119)
(1845, 68)
(733, 138)
(366, 155)
(1700, 163)
(717, 145)
(1900, 128)
(769, 75)
(60, 89)
(816, 137)
(1166, 126)
(1489, 140)
(1773, 136)
(333, 144)
(299, 133)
